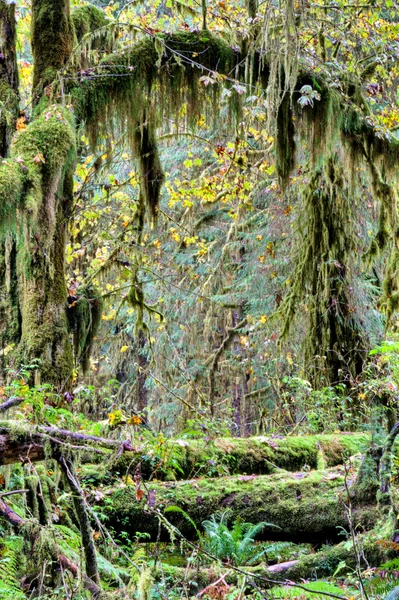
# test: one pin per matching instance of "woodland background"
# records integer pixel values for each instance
(199, 285)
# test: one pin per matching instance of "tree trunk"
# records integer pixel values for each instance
(52, 41)
(9, 306)
(43, 222)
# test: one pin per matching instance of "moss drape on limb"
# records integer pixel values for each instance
(335, 346)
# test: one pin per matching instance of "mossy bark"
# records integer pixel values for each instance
(52, 41)
(9, 101)
(47, 148)
(301, 506)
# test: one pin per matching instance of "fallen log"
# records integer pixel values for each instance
(20, 441)
(313, 566)
(265, 455)
(302, 506)
(230, 456)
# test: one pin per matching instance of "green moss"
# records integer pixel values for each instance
(87, 19)
(11, 185)
(52, 39)
(305, 504)
(237, 456)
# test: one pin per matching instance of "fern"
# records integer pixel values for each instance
(110, 571)
(236, 545)
(393, 594)
(10, 563)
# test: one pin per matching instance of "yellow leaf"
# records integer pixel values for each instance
(124, 349)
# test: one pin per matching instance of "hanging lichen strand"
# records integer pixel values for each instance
(335, 348)
(84, 316)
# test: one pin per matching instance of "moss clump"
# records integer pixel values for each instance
(11, 185)
(87, 19)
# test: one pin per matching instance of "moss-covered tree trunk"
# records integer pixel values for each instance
(44, 215)
(9, 307)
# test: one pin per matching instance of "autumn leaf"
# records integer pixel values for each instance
(21, 123)
(39, 159)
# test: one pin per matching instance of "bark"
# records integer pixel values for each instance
(52, 41)
(8, 73)
(10, 403)
(300, 506)
(19, 443)
(9, 308)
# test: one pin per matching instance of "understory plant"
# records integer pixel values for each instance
(235, 544)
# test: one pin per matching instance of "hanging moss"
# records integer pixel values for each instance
(285, 142)
(335, 346)
(152, 176)
(123, 98)
(84, 316)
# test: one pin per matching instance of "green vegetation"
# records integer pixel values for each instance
(199, 294)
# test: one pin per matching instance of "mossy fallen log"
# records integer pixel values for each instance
(230, 456)
(319, 564)
(302, 506)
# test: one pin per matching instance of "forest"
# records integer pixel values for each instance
(199, 299)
